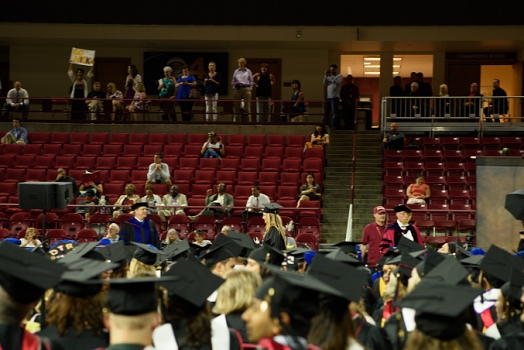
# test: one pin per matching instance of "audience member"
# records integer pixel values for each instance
(264, 82)
(131, 84)
(139, 229)
(255, 204)
(472, 105)
(96, 187)
(225, 230)
(310, 190)
(415, 103)
(139, 101)
(62, 177)
(424, 87)
(401, 228)
(396, 91)
(112, 233)
(418, 192)
(200, 239)
(158, 171)
(79, 89)
(333, 82)
(349, 94)
(497, 105)
(166, 88)
(171, 237)
(151, 199)
(319, 138)
(212, 82)
(394, 139)
(275, 235)
(94, 103)
(414, 78)
(442, 104)
(31, 238)
(116, 97)
(213, 147)
(372, 237)
(297, 104)
(185, 83)
(218, 204)
(16, 135)
(86, 207)
(176, 201)
(242, 83)
(125, 201)
(17, 99)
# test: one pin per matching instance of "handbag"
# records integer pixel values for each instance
(195, 94)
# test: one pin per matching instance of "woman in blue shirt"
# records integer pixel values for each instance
(185, 83)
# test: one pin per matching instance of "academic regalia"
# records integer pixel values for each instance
(509, 342)
(274, 239)
(88, 339)
(370, 336)
(14, 337)
(234, 320)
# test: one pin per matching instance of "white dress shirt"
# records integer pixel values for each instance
(257, 202)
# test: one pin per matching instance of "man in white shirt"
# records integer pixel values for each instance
(255, 204)
(17, 100)
(242, 83)
(212, 148)
(170, 200)
(158, 171)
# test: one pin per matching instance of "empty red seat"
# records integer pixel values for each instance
(72, 150)
(173, 150)
(231, 164)
(79, 138)
(197, 203)
(271, 164)
(242, 191)
(188, 163)
(205, 177)
(65, 162)
(178, 139)
(236, 140)
(276, 140)
(256, 140)
(250, 164)
(139, 175)
(312, 165)
(450, 143)
(183, 176)
(125, 163)
(512, 142)
(119, 138)
(192, 151)
(112, 150)
(434, 168)
(197, 139)
(92, 150)
(85, 162)
(209, 164)
(114, 189)
(106, 163)
(40, 137)
(294, 153)
(393, 168)
(292, 165)
(431, 142)
(227, 177)
(268, 178)
(269, 190)
(393, 155)
(24, 161)
(491, 143)
(54, 149)
(235, 152)
(121, 176)
(315, 153)
(247, 178)
(157, 138)
(132, 150)
(99, 138)
(7, 188)
(274, 152)
(453, 155)
(42, 162)
(150, 150)
(253, 152)
(470, 143)
(138, 138)
(287, 192)
(86, 235)
(60, 137)
(29, 149)
(14, 149)
(296, 140)
(37, 175)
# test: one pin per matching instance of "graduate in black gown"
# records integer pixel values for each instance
(275, 235)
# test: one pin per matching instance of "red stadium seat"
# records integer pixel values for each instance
(271, 164)
(114, 189)
(15, 149)
(274, 152)
(119, 176)
(450, 143)
(54, 235)
(29, 149)
(106, 163)
(237, 140)
(143, 163)
(294, 153)
(99, 138)
(247, 178)
(255, 152)
(226, 176)
(242, 191)
(193, 151)
(287, 192)
(197, 139)
(174, 150)
(85, 162)
(289, 207)
(230, 164)
(292, 179)
(86, 235)
(60, 137)
(268, 178)
(207, 224)
(310, 225)
(447, 226)
(470, 143)
(296, 140)
(40, 137)
(159, 138)
(493, 143)
(7, 188)
(292, 165)
(23, 161)
(150, 150)
(209, 164)
(72, 223)
(178, 139)
(79, 138)
(204, 177)
(431, 142)
(124, 163)
(183, 176)
(72, 150)
(234, 222)
(235, 152)
(256, 140)
(393, 155)
(132, 150)
(65, 162)
(112, 150)
(139, 138)
(53, 149)
(308, 240)
(250, 165)
(393, 168)
(37, 175)
(188, 164)
(92, 150)
(268, 190)
(426, 227)
(119, 138)
(276, 140)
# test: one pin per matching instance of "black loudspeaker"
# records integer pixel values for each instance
(44, 195)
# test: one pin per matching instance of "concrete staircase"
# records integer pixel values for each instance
(337, 185)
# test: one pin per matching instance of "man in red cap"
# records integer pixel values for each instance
(373, 236)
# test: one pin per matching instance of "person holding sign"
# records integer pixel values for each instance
(79, 89)
(91, 181)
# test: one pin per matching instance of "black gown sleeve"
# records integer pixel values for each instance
(273, 239)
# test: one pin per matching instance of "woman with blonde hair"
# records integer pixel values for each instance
(139, 101)
(143, 262)
(30, 240)
(275, 235)
(116, 95)
(442, 102)
(235, 296)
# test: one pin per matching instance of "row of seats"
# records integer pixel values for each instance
(437, 196)
(438, 182)
(440, 155)
(454, 212)
(102, 138)
(465, 143)
(430, 168)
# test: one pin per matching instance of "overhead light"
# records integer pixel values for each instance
(372, 73)
(372, 66)
(396, 73)
(350, 71)
(396, 66)
(366, 63)
(397, 58)
(371, 58)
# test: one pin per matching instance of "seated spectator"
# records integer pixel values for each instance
(472, 105)
(213, 148)
(218, 204)
(62, 177)
(139, 101)
(319, 138)
(158, 171)
(394, 139)
(171, 238)
(418, 192)
(30, 240)
(112, 233)
(442, 103)
(255, 204)
(116, 95)
(177, 202)
(17, 100)
(152, 199)
(95, 104)
(199, 239)
(87, 206)
(95, 187)
(310, 190)
(16, 135)
(128, 199)
(225, 230)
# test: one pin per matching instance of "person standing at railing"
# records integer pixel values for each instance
(396, 91)
(473, 104)
(17, 100)
(263, 81)
(184, 85)
(117, 99)
(497, 106)
(425, 90)
(166, 88)
(132, 80)
(442, 103)
(95, 104)
(212, 82)
(333, 82)
(414, 103)
(79, 89)
(349, 95)
(242, 83)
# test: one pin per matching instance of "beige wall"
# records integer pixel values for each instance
(510, 81)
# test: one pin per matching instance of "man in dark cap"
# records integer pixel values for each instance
(139, 229)
(401, 228)
(24, 277)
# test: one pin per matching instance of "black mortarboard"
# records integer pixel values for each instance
(272, 208)
(458, 251)
(498, 263)
(78, 280)
(138, 205)
(83, 250)
(348, 247)
(134, 296)
(343, 277)
(195, 282)
(146, 254)
(405, 266)
(220, 252)
(430, 262)
(115, 253)
(24, 275)
(267, 255)
(439, 308)
(516, 282)
(61, 249)
(389, 256)
(176, 249)
(241, 239)
(407, 246)
(402, 207)
(472, 261)
(340, 256)
(449, 271)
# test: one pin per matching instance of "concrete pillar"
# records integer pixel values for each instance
(439, 71)
(386, 77)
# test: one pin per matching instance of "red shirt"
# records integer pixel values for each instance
(372, 237)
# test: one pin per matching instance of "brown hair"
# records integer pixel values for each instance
(198, 320)
(420, 341)
(150, 187)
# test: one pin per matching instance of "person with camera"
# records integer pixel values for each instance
(213, 148)
(333, 82)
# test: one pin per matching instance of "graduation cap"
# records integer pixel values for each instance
(139, 205)
(115, 252)
(195, 283)
(293, 257)
(439, 307)
(448, 271)
(343, 277)
(348, 247)
(472, 262)
(339, 255)
(499, 263)
(272, 208)
(516, 282)
(82, 278)
(83, 250)
(458, 251)
(402, 207)
(240, 239)
(176, 249)
(134, 296)
(406, 264)
(220, 251)
(389, 256)
(24, 275)
(407, 246)
(146, 253)
(267, 255)
(61, 248)
(432, 259)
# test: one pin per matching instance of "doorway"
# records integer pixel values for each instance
(275, 68)
(111, 70)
